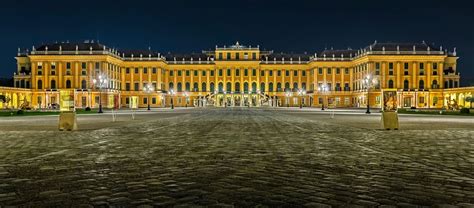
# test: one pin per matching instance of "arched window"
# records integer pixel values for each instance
(188, 86)
(53, 84)
(180, 87)
(228, 87)
(40, 84)
(451, 85)
(421, 84)
(287, 86)
(262, 87)
(295, 86)
(221, 87)
(405, 85)
(203, 87)
(246, 87)
(195, 87)
(303, 85)
(83, 84)
(434, 84)
(254, 87)
(237, 87)
(171, 86)
(212, 87)
(68, 84)
(390, 83)
(278, 87)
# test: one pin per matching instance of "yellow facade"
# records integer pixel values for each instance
(239, 75)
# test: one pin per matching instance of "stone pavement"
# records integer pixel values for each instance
(238, 157)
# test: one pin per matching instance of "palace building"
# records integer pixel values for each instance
(423, 76)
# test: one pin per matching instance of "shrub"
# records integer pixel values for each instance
(20, 112)
(413, 107)
(88, 109)
(464, 111)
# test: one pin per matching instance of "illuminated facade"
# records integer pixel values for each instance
(237, 75)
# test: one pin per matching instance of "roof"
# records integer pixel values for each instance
(287, 56)
(72, 46)
(392, 46)
(338, 53)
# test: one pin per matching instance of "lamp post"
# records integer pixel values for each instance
(323, 89)
(171, 93)
(301, 93)
(101, 82)
(148, 89)
(369, 82)
(186, 97)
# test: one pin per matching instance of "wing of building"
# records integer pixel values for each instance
(422, 75)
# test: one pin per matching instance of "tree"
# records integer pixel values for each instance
(470, 100)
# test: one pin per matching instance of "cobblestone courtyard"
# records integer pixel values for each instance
(243, 158)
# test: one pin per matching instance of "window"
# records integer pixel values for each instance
(83, 72)
(270, 87)
(338, 86)
(127, 86)
(180, 73)
(203, 87)
(320, 71)
(68, 84)
(83, 84)
(153, 100)
(195, 73)
(211, 87)
(83, 65)
(237, 72)
(434, 84)
(287, 73)
(287, 86)
(220, 56)
(279, 73)
(295, 73)
(171, 73)
(246, 72)
(295, 86)
(212, 73)
(346, 87)
(303, 73)
(145, 70)
(405, 85)
(390, 83)
(53, 65)
(203, 72)
(68, 65)
(422, 65)
(329, 70)
(136, 87)
(153, 70)
(228, 72)
(405, 66)
(237, 56)
(228, 56)
(97, 65)
(188, 86)
(136, 70)
(145, 100)
(127, 70)
(254, 72)
(346, 70)
(262, 73)
(270, 73)
(171, 86)
(279, 87)
(53, 84)
(254, 56)
(377, 65)
(338, 70)
(180, 87)
(187, 73)
(220, 72)
(435, 65)
(40, 84)
(421, 84)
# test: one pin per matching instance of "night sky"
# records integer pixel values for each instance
(192, 26)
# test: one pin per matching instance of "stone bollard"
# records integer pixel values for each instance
(390, 120)
(67, 121)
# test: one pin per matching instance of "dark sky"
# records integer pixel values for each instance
(191, 26)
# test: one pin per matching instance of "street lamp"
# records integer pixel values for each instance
(225, 100)
(101, 82)
(171, 93)
(323, 89)
(148, 89)
(186, 97)
(369, 82)
(301, 93)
